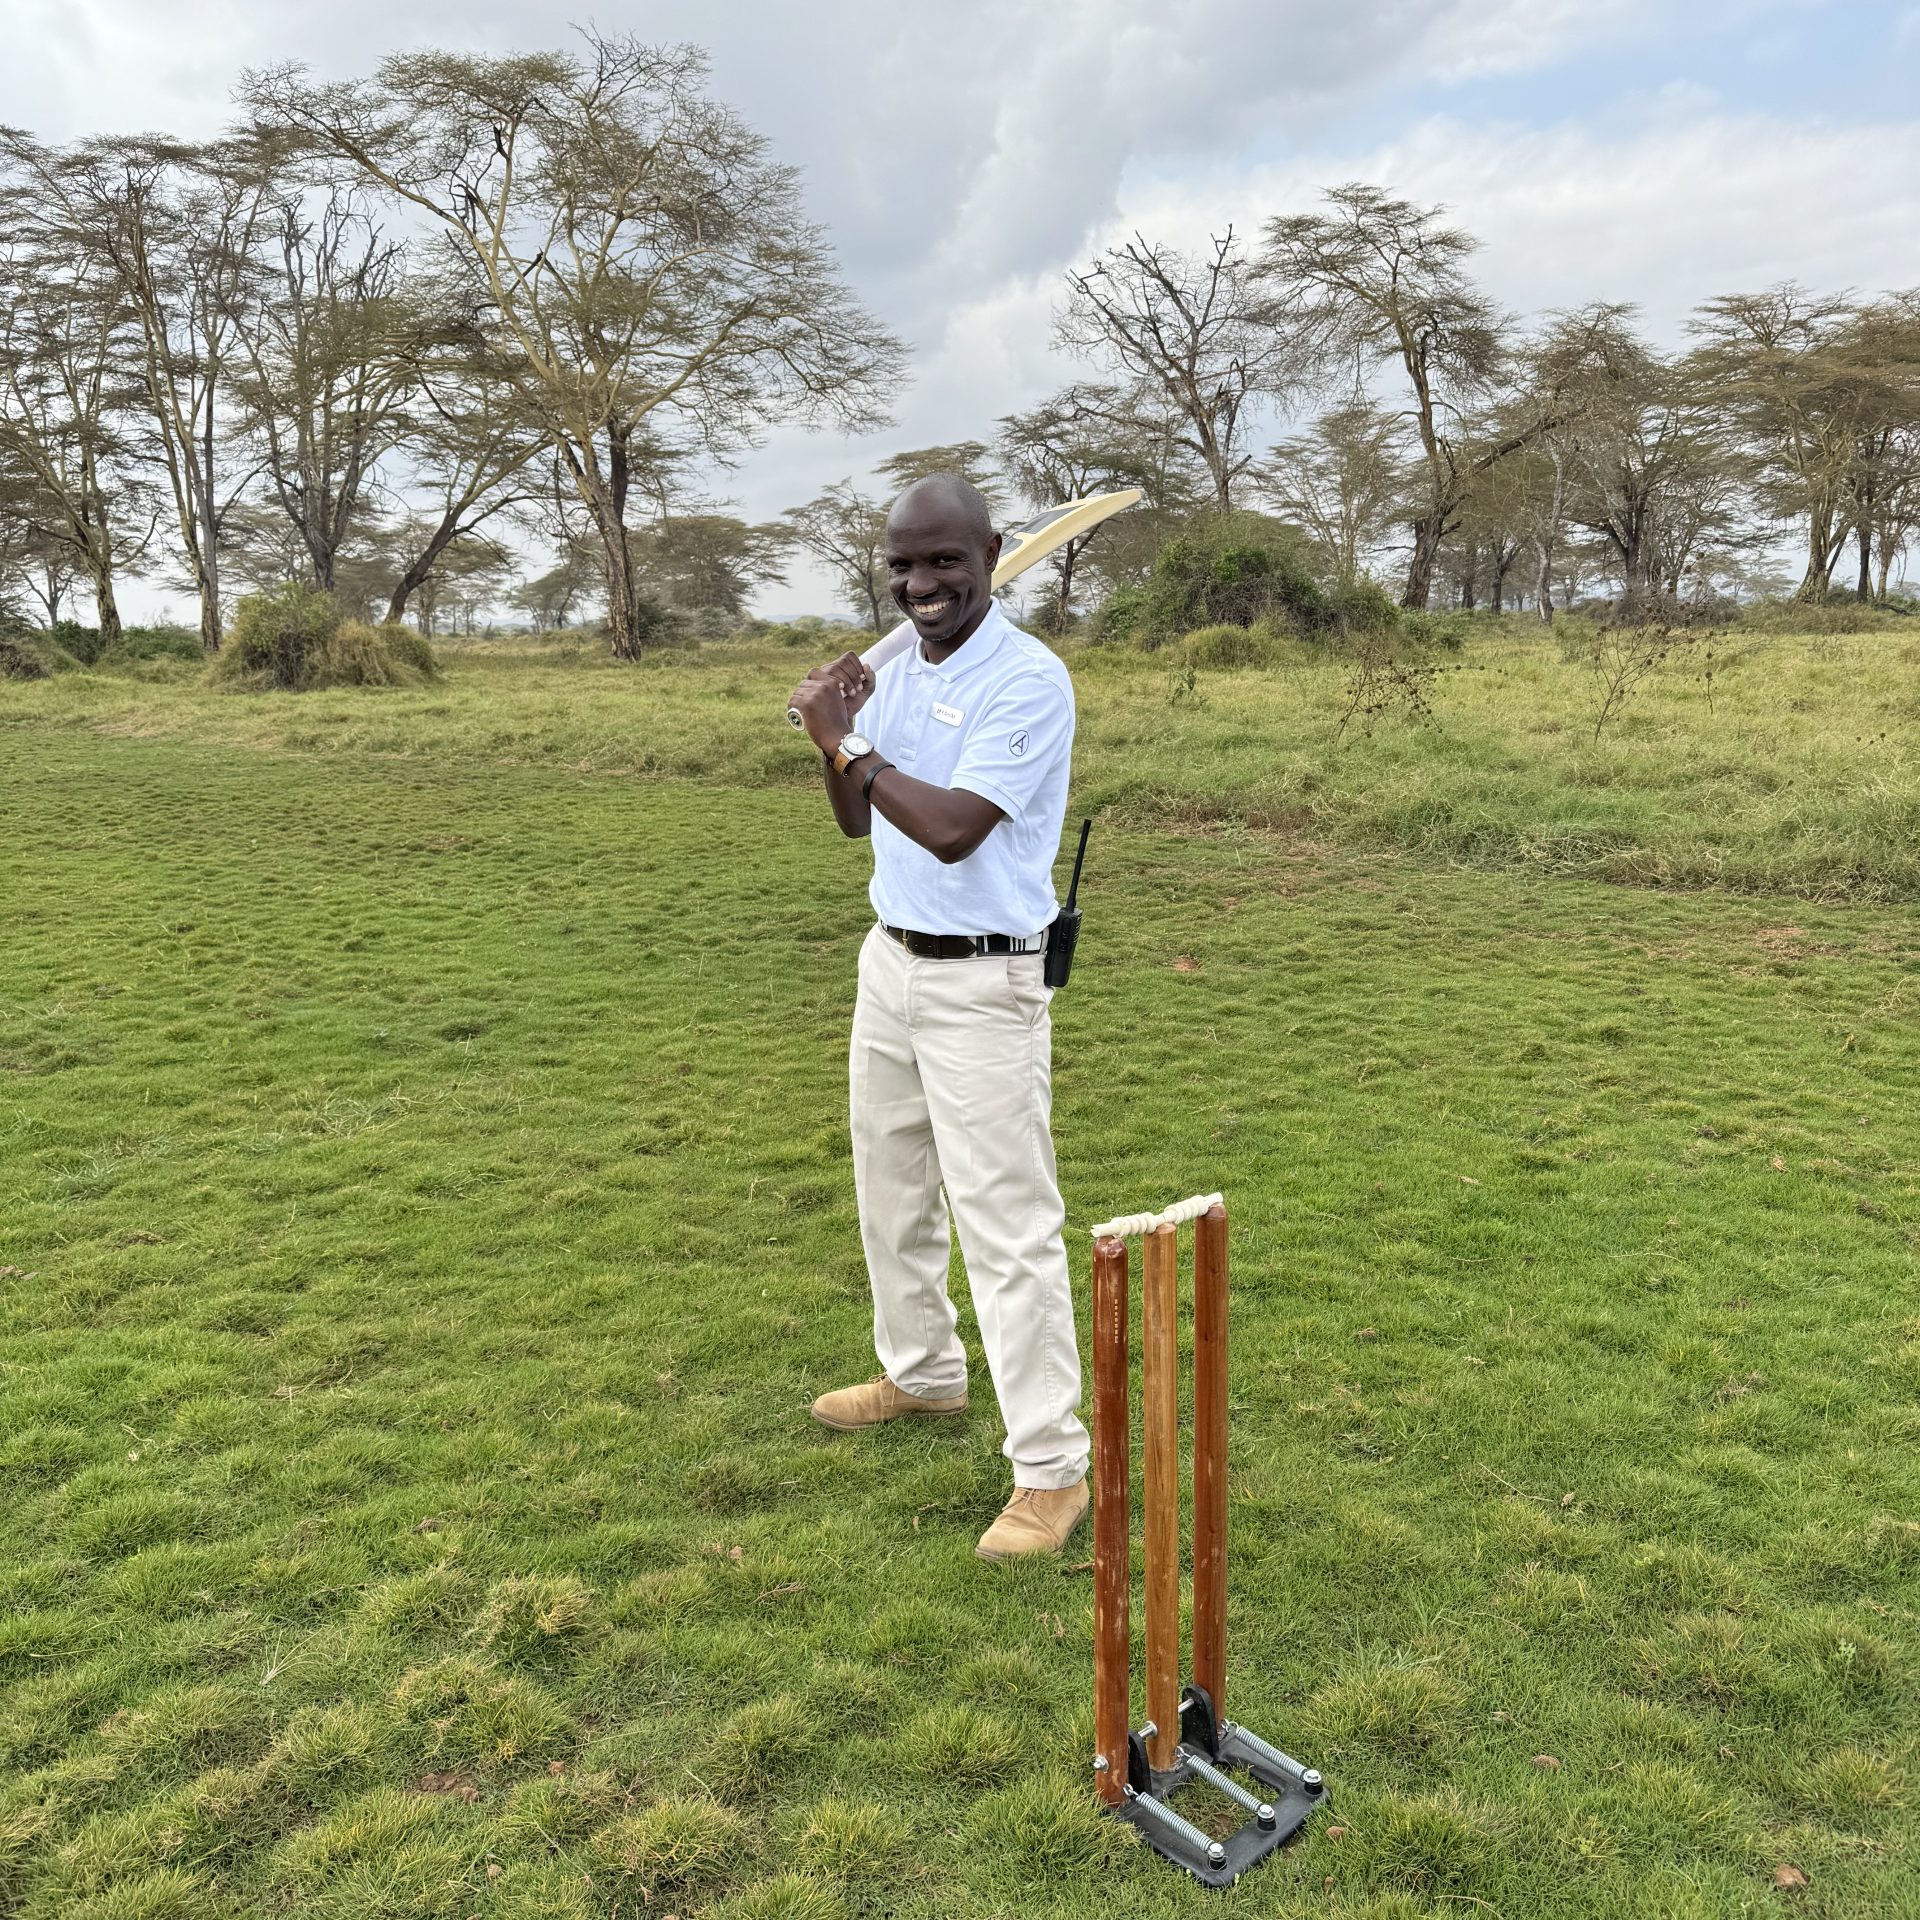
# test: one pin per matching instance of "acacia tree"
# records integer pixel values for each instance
(646, 268)
(1380, 280)
(710, 563)
(1187, 333)
(1641, 465)
(1088, 438)
(1816, 391)
(550, 598)
(43, 570)
(1883, 479)
(1344, 480)
(175, 226)
(65, 397)
(968, 460)
(846, 532)
(466, 443)
(331, 356)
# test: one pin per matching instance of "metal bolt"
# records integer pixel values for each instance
(1101, 1764)
(1310, 1779)
(1147, 1729)
(1216, 1854)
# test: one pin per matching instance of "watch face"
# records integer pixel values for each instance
(856, 745)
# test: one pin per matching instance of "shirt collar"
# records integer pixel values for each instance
(975, 651)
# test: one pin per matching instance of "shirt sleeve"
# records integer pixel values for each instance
(1022, 736)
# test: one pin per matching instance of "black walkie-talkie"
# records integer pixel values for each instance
(1064, 934)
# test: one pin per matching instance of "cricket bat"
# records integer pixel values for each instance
(1021, 547)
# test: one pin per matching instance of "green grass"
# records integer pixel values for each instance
(423, 1168)
(1796, 769)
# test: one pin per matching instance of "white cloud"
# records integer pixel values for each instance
(964, 160)
(1666, 209)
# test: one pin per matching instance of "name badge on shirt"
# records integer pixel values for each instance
(951, 715)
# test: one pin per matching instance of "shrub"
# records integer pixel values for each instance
(276, 633)
(1365, 606)
(152, 643)
(655, 624)
(1835, 614)
(1221, 570)
(357, 655)
(24, 657)
(818, 636)
(1122, 618)
(1437, 632)
(294, 637)
(81, 643)
(1230, 646)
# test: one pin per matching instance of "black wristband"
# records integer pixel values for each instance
(866, 785)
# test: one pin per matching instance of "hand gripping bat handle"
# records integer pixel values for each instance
(889, 647)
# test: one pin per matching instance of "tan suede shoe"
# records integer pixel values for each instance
(879, 1400)
(1035, 1520)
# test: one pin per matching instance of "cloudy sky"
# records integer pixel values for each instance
(962, 157)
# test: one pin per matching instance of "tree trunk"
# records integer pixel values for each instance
(419, 568)
(1543, 584)
(1428, 530)
(107, 615)
(1866, 560)
(623, 596)
(209, 555)
(1063, 606)
(1822, 551)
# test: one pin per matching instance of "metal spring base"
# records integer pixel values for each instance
(1207, 1748)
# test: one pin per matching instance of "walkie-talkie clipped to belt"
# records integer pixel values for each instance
(1064, 933)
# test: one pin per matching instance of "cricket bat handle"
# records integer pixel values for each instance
(889, 647)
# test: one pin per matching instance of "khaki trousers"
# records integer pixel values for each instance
(952, 1087)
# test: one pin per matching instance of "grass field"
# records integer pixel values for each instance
(425, 1214)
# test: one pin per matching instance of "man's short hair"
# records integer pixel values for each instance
(952, 490)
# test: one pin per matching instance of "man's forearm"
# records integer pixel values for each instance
(850, 809)
(948, 821)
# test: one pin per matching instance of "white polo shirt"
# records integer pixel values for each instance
(995, 718)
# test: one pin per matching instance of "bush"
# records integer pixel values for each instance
(1436, 632)
(32, 654)
(1221, 570)
(357, 655)
(1838, 613)
(276, 634)
(1121, 618)
(78, 642)
(23, 657)
(821, 639)
(1225, 645)
(152, 643)
(1365, 606)
(655, 624)
(294, 637)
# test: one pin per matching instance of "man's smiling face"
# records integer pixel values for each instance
(940, 559)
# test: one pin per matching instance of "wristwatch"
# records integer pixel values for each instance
(854, 746)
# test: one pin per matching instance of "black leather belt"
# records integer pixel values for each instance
(961, 946)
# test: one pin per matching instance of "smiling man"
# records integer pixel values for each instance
(958, 772)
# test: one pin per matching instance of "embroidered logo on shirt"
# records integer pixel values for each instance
(1018, 744)
(951, 715)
